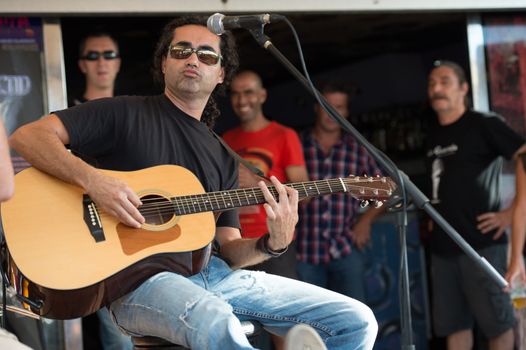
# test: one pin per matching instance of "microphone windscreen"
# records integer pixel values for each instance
(215, 23)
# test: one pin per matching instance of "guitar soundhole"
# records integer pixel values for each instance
(156, 210)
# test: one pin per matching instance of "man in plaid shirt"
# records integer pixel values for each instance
(330, 235)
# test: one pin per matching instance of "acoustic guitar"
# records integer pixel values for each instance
(73, 258)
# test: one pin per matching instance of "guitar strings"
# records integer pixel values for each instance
(298, 186)
(189, 204)
(197, 199)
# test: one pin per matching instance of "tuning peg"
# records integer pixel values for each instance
(378, 204)
(381, 178)
(364, 203)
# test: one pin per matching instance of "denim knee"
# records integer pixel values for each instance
(362, 327)
(209, 319)
(371, 326)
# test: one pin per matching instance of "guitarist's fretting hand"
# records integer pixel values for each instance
(282, 215)
(116, 198)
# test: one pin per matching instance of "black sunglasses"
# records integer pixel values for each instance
(206, 56)
(94, 55)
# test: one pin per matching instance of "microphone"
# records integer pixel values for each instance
(219, 23)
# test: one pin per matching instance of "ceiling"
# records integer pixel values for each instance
(332, 40)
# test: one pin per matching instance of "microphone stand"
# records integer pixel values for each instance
(405, 186)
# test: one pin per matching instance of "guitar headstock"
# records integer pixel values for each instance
(373, 190)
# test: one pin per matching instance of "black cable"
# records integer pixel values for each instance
(4, 302)
(4, 279)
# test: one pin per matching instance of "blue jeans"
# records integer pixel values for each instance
(204, 310)
(345, 275)
(110, 336)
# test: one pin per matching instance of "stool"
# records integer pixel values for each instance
(250, 328)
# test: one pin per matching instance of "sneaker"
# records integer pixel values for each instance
(303, 337)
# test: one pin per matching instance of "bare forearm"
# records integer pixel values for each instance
(242, 252)
(518, 233)
(42, 148)
(282, 216)
(518, 223)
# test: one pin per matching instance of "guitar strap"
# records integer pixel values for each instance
(216, 248)
(236, 156)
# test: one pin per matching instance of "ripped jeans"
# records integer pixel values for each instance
(204, 311)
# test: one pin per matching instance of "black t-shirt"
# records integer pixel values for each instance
(464, 163)
(76, 101)
(135, 132)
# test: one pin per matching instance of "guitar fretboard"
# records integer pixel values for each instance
(226, 200)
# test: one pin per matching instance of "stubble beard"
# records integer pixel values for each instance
(188, 86)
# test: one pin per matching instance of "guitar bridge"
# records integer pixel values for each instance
(92, 219)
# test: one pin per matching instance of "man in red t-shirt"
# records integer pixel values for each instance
(271, 147)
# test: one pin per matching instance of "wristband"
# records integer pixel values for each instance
(262, 246)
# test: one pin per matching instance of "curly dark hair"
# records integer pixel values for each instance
(230, 62)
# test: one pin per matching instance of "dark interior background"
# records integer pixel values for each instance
(384, 56)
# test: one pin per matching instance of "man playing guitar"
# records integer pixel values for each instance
(201, 311)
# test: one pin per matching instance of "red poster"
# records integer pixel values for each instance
(506, 56)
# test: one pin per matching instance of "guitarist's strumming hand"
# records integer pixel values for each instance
(116, 198)
(282, 215)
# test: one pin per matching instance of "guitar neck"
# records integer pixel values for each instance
(226, 200)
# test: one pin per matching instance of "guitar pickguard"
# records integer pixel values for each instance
(133, 240)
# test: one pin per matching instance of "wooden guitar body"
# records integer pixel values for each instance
(55, 259)
(72, 258)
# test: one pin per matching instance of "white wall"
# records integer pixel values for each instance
(55, 7)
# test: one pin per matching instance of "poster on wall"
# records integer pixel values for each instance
(21, 85)
(504, 37)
